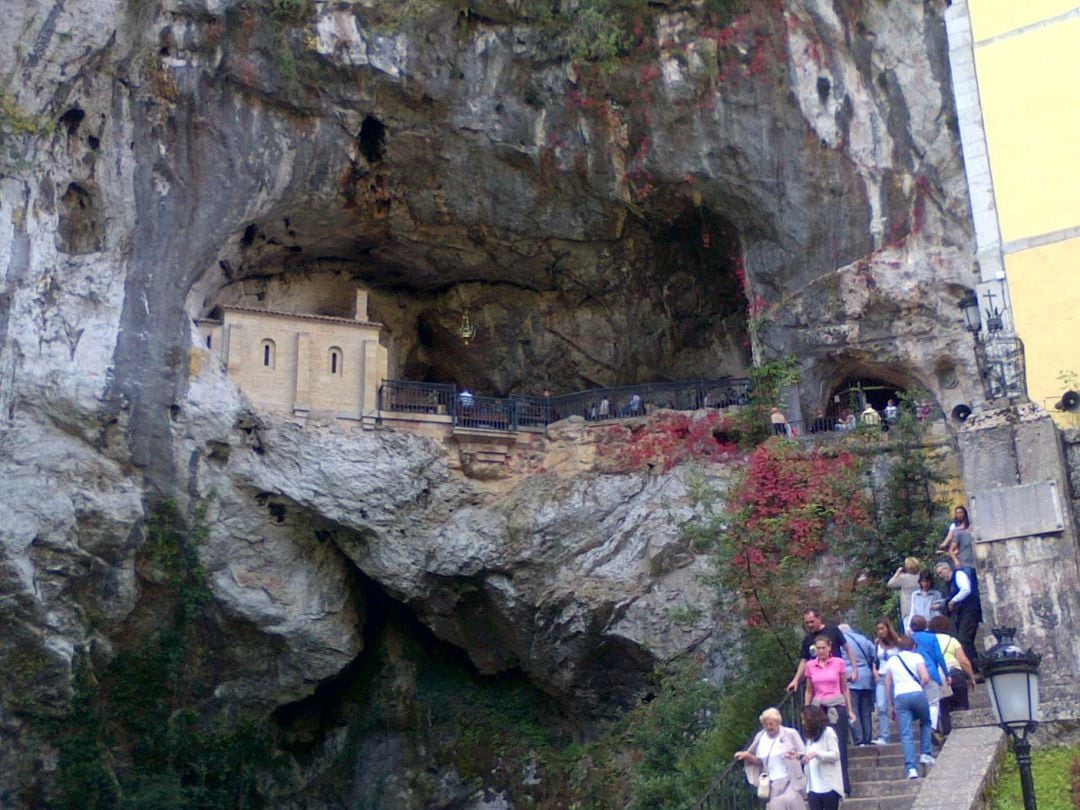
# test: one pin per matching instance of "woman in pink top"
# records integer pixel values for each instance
(827, 686)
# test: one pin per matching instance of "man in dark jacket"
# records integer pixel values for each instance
(962, 604)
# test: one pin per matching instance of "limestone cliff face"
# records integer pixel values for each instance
(787, 180)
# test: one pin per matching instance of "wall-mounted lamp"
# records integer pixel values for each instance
(969, 307)
(1000, 355)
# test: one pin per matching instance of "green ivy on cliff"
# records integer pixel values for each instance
(16, 128)
(603, 31)
(139, 735)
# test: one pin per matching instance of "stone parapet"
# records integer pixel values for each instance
(1026, 554)
(965, 770)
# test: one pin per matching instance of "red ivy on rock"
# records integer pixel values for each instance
(665, 440)
(792, 505)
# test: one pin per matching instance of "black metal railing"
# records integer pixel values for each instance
(485, 413)
(535, 411)
(619, 402)
(730, 790)
(408, 396)
(599, 404)
(493, 413)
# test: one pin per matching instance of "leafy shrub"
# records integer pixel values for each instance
(291, 11)
(138, 735)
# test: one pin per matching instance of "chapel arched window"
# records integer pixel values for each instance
(269, 351)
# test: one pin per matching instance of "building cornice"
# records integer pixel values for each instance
(301, 316)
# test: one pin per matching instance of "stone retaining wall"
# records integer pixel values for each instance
(965, 771)
(1070, 440)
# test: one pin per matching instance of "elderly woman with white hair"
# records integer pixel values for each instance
(772, 763)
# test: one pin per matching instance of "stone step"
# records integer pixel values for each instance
(901, 786)
(879, 803)
(971, 718)
(870, 773)
(885, 764)
(873, 752)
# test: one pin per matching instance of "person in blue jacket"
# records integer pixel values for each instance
(926, 645)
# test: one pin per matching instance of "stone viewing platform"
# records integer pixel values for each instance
(405, 401)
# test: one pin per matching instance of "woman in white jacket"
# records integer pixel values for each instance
(824, 779)
(776, 751)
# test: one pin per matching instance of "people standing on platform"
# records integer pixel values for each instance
(778, 422)
(605, 408)
(892, 412)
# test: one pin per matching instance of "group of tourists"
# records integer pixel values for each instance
(918, 677)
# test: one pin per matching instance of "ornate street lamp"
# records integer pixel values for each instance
(999, 355)
(969, 306)
(1013, 677)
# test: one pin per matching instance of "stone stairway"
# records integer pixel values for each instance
(878, 778)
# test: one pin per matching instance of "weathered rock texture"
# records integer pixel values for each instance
(1030, 581)
(787, 182)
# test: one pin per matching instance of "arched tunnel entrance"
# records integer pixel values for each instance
(854, 394)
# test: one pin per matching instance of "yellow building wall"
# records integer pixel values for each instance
(1046, 307)
(301, 376)
(1029, 89)
(268, 388)
(991, 18)
(1027, 63)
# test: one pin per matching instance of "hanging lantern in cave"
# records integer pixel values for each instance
(466, 330)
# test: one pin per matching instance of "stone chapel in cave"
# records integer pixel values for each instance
(302, 365)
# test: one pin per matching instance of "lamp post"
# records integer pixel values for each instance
(1013, 677)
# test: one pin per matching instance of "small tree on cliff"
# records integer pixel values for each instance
(791, 507)
(909, 510)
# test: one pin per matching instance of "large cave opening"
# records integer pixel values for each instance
(412, 715)
(662, 301)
